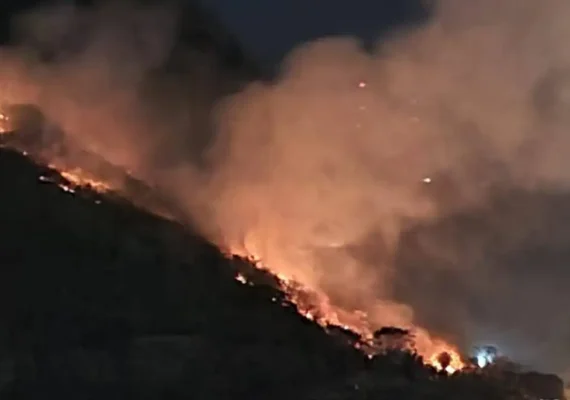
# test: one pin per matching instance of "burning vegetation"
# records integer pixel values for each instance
(79, 178)
(312, 304)
(316, 177)
(485, 364)
(315, 306)
(276, 346)
(24, 128)
(76, 179)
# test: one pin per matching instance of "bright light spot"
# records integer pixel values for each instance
(4, 120)
(481, 360)
(426, 180)
(450, 370)
(485, 357)
(362, 84)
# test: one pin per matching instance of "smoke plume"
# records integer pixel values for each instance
(423, 183)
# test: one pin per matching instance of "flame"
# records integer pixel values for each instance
(455, 364)
(76, 178)
(5, 123)
(310, 302)
(80, 178)
(317, 306)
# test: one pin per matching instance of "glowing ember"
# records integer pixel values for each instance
(242, 279)
(74, 179)
(79, 178)
(4, 123)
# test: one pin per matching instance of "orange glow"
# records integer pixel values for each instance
(316, 306)
(456, 364)
(5, 125)
(76, 178)
(79, 178)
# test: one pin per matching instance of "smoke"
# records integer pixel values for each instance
(423, 183)
(99, 72)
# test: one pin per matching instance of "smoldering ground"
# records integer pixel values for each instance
(423, 182)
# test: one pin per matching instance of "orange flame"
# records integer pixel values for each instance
(4, 123)
(316, 306)
(311, 303)
(78, 177)
(455, 364)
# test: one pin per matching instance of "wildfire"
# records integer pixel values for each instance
(310, 302)
(79, 178)
(316, 306)
(74, 179)
(445, 358)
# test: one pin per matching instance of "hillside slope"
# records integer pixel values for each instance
(99, 299)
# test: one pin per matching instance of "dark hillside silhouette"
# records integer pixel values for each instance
(99, 299)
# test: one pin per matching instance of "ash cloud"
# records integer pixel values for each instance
(423, 182)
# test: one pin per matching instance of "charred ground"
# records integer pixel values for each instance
(102, 300)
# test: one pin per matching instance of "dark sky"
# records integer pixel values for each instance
(270, 28)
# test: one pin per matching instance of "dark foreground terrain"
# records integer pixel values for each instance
(99, 300)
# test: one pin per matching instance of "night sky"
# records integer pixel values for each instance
(270, 28)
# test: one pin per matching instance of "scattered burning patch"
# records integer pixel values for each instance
(14, 121)
(72, 180)
(78, 178)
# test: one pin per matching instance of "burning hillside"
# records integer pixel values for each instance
(414, 186)
(87, 172)
(316, 306)
(310, 302)
(382, 369)
(24, 129)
